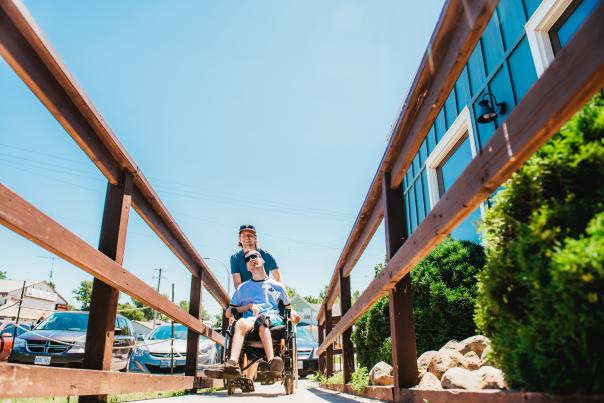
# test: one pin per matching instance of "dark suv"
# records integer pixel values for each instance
(61, 338)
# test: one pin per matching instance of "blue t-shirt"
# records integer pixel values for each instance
(238, 264)
(265, 293)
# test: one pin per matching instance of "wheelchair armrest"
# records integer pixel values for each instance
(236, 314)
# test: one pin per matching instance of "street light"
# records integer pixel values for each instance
(227, 271)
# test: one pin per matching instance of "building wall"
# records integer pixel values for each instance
(502, 64)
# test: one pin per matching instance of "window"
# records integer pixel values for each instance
(446, 163)
(552, 25)
(451, 156)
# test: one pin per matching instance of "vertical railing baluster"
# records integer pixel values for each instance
(347, 348)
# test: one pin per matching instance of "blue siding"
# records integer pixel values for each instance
(522, 69)
(492, 45)
(501, 64)
(512, 19)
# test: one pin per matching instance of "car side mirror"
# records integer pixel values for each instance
(140, 337)
(118, 332)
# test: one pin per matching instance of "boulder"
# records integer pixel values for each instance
(460, 378)
(490, 378)
(381, 374)
(423, 361)
(452, 344)
(473, 360)
(429, 382)
(475, 343)
(486, 356)
(445, 359)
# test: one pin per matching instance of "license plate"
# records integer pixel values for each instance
(166, 363)
(300, 364)
(42, 360)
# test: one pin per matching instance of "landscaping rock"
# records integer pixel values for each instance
(473, 360)
(486, 357)
(460, 378)
(452, 344)
(423, 361)
(381, 374)
(429, 382)
(475, 343)
(445, 359)
(490, 378)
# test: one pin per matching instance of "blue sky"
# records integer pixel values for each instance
(274, 113)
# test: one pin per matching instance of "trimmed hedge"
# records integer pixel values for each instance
(444, 289)
(541, 293)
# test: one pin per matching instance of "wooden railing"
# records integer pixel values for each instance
(561, 91)
(26, 50)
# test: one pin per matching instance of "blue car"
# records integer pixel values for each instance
(308, 360)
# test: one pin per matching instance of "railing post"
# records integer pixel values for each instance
(402, 327)
(103, 305)
(347, 348)
(329, 352)
(195, 309)
(321, 356)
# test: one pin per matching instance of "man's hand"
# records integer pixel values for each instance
(295, 317)
(255, 310)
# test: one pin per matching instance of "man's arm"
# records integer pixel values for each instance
(239, 309)
(236, 280)
(276, 273)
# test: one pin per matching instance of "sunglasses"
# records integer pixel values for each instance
(243, 227)
(250, 257)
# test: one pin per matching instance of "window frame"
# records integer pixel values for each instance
(538, 29)
(449, 142)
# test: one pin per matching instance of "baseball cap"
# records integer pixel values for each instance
(247, 227)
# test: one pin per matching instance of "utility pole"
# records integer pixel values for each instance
(52, 265)
(159, 277)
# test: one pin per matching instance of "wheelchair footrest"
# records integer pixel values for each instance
(245, 384)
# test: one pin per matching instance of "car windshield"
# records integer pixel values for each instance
(164, 332)
(76, 322)
(304, 334)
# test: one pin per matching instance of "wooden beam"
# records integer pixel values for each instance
(28, 52)
(103, 305)
(402, 326)
(195, 310)
(25, 219)
(559, 93)
(329, 353)
(457, 32)
(322, 356)
(28, 381)
(347, 348)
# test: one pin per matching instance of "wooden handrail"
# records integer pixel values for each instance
(457, 32)
(559, 93)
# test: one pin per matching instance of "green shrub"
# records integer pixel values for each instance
(444, 290)
(336, 379)
(359, 379)
(541, 293)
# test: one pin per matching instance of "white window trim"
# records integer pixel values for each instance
(537, 31)
(461, 126)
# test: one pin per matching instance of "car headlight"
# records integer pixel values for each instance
(205, 350)
(19, 342)
(78, 347)
(140, 350)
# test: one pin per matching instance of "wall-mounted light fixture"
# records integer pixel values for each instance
(487, 112)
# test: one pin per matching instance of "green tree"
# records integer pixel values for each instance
(541, 293)
(444, 290)
(2, 275)
(130, 311)
(312, 300)
(83, 294)
(147, 312)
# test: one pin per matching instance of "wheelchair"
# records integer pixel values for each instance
(284, 346)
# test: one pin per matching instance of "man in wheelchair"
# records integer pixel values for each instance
(258, 305)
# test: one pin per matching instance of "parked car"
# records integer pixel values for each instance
(156, 354)
(308, 360)
(7, 332)
(60, 340)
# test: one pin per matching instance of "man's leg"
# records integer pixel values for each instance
(275, 363)
(242, 327)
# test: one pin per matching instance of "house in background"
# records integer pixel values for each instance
(40, 298)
